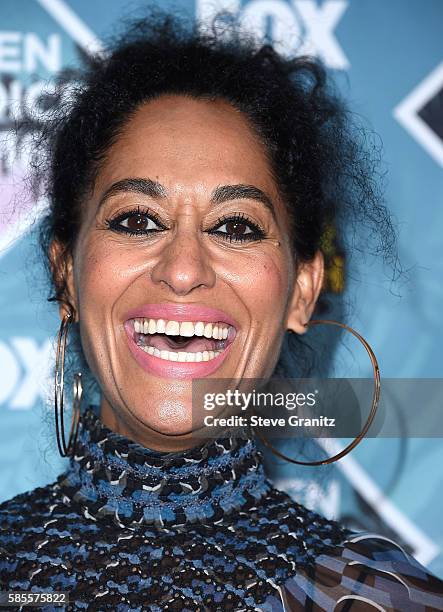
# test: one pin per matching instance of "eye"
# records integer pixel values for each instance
(136, 222)
(237, 229)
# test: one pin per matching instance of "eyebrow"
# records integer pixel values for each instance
(137, 185)
(222, 193)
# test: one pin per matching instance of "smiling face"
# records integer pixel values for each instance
(183, 266)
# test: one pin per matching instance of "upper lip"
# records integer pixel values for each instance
(181, 312)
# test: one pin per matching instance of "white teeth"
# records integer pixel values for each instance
(182, 356)
(199, 328)
(172, 328)
(187, 329)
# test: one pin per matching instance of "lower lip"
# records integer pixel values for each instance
(172, 369)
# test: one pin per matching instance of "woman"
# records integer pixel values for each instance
(191, 179)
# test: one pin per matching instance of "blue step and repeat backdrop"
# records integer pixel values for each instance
(387, 58)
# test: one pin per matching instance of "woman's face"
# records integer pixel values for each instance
(183, 267)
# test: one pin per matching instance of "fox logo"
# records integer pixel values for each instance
(304, 26)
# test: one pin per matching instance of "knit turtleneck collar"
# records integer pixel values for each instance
(114, 478)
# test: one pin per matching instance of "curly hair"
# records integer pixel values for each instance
(323, 161)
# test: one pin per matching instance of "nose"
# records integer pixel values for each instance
(184, 264)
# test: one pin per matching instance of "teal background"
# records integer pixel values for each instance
(386, 485)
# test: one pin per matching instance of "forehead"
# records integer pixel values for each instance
(190, 145)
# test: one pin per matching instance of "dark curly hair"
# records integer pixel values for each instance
(324, 162)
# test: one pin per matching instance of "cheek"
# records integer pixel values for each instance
(262, 286)
(103, 274)
(101, 278)
(261, 281)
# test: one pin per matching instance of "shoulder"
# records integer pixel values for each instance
(34, 527)
(25, 513)
(36, 499)
(369, 571)
(29, 518)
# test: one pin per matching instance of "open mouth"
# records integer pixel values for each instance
(183, 341)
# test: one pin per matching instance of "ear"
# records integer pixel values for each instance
(307, 287)
(63, 274)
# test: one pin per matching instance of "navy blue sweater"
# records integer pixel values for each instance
(129, 528)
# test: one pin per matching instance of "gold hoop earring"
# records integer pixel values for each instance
(374, 404)
(65, 449)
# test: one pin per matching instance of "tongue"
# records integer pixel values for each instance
(163, 342)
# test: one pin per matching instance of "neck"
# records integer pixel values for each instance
(116, 479)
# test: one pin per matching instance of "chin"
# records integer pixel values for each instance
(172, 417)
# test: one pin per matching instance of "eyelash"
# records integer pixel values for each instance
(114, 222)
(256, 232)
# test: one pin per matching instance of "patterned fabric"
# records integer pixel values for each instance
(129, 528)
(370, 573)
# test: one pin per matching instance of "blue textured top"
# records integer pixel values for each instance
(129, 528)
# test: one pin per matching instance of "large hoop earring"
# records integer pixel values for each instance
(65, 449)
(374, 404)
